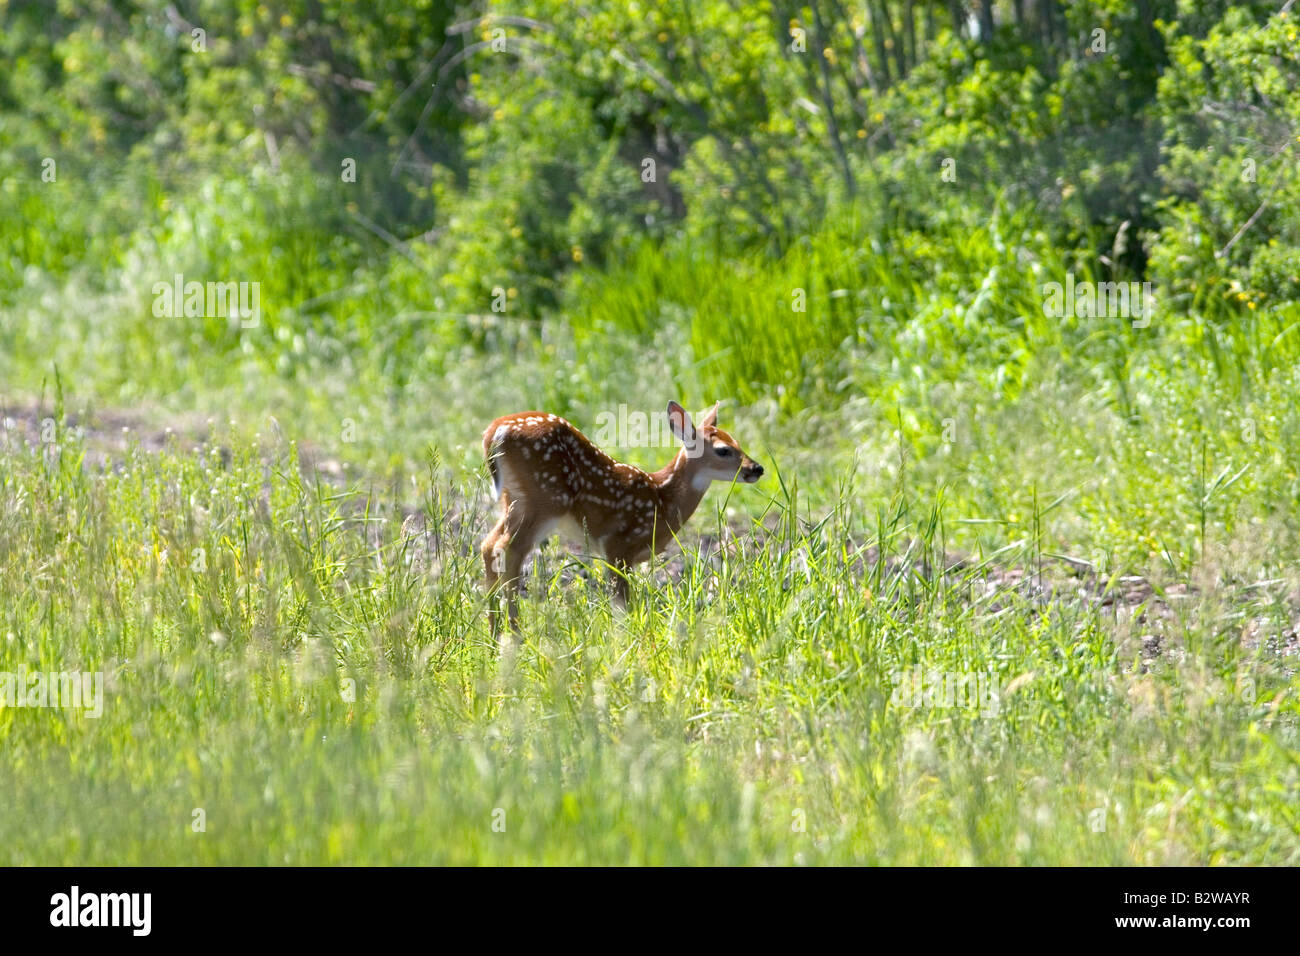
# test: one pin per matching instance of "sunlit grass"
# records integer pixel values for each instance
(312, 671)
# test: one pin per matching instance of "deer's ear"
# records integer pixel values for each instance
(710, 418)
(679, 421)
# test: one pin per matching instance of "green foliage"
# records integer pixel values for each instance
(1229, 228)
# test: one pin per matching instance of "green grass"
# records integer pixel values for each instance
(227, 604)
(307, 661)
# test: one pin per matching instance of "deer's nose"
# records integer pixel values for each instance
(757, 471)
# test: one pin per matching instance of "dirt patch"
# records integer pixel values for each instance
(108, 435)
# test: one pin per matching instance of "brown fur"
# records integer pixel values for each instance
(549, 474)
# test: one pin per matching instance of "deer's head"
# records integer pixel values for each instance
(711, 453)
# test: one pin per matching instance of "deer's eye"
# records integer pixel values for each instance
(723, 452)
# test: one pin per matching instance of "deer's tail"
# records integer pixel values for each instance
(491, 449)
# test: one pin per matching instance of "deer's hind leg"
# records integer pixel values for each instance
(520, 544)
(492, 569)
(504, 553)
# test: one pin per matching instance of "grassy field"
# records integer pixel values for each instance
(1015, 590)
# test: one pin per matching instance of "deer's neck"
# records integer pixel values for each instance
(681, 489)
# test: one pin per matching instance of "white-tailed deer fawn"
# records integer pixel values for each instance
(549, 477)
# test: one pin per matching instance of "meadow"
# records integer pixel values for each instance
(1016, 588)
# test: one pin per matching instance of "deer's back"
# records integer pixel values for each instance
(549, 464)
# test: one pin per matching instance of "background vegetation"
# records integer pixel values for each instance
(837, 218)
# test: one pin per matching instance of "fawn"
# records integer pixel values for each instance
(549, 477)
